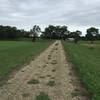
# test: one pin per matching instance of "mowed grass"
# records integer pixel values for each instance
(86, 60)
(13, 54)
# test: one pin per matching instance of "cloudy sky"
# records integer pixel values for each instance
(76, 14)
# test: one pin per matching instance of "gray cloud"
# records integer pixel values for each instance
(74, 13)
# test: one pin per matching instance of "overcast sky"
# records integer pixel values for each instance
(76, 14)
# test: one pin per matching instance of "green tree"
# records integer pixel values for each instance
(92, 33)
(54, 32)
(75, 35)
(34, 31)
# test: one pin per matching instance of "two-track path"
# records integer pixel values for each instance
(50, 65)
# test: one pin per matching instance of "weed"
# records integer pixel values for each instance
(51, 83)
(42, 96)
(33, 81)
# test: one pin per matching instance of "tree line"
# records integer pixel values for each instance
(50, 32)
(11, 33)
(62, 32)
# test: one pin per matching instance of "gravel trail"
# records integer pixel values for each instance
(49, 73)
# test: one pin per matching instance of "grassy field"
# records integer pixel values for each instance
(86, 60)
(13, 54)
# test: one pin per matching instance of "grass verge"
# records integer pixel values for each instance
(87, 63)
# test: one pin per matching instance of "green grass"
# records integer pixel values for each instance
(86, 61)
(42, 96)
(14, 54)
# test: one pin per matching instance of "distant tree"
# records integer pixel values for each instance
(63, 32)
(98, 37)
(75, 35)
(36, 29)
(54, 32)
(12, 33)
(8, 32)
(83, 38)
(92, 33)
(49, 32)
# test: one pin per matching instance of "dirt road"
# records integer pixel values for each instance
(49, 73)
